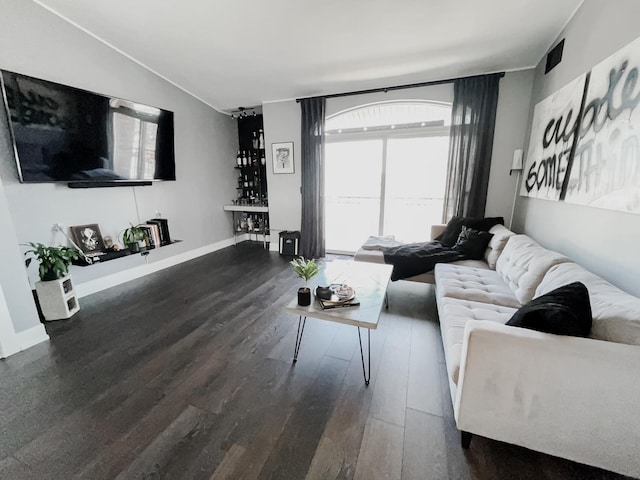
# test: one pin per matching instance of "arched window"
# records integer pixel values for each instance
(398, 115)
(385, 171)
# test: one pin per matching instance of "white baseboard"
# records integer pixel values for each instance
(108, 281)
(23, 340)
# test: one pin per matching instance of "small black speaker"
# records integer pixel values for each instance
(289, 243)
(554, 57)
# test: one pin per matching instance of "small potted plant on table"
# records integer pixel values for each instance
(305, 269)
(132, 237)
(56, 294)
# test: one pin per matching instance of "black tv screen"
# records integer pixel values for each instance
(65, 134)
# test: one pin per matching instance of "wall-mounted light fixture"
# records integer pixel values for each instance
(516, 163)
(516, 166)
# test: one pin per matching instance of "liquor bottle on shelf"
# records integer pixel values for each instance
(239, 159)
(244, 158)
(255, 141)
(246, 181)
(261, 139)
(263, 160)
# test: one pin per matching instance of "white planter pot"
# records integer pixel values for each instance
(57, 298)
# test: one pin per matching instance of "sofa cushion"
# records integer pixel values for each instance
(376, 256)
(616, 314)
(472, 242)
(454, 314)
(371, 256)
(563, 311)
(501, 235)
(474, 284)
(523, 264)
(454, 227)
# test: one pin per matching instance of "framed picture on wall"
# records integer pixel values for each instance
(88, 238)
(282, 154)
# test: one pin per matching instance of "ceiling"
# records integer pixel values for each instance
(243, 52)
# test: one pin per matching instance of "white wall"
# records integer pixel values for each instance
(282, 123)
(13, 275)
(37, 43)
(510, 133)
(603, 241)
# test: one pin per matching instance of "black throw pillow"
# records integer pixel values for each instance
(454, 227)
(472, 243)
(451, 232)
(563, 311)
(483, 224)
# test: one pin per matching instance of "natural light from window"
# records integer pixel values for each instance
(385, 172)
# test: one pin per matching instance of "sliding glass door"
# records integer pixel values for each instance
(353, 173)
(416, 176)
(384, 179)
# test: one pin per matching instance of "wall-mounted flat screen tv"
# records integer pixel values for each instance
(65, 134)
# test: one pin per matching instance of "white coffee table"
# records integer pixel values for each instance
(369, 281)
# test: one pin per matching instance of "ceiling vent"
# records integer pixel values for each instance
(554, 57)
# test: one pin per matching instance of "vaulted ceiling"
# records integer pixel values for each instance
(243, 52)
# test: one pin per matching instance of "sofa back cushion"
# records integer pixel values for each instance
(501, 235)
(523, 264)
(616, 314)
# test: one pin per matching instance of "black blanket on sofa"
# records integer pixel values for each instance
(416, 258)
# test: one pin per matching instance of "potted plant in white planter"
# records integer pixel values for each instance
(133, 237)
(55, 291)
(305, 269)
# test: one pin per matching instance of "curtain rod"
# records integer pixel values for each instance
(396, 87)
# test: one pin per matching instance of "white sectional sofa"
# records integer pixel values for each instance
(577, 398)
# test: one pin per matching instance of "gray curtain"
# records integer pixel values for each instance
(312, 234)
(473, 116)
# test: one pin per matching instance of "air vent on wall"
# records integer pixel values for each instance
(554, 57)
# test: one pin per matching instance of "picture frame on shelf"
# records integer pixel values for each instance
(283, 159)
(88, 238)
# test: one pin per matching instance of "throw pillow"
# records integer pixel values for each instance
(483, 224)
(452, 232)
(472, 243)
(501, 235)
(454, 227)
(563, 311)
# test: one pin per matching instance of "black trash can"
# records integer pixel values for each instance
(289, 243)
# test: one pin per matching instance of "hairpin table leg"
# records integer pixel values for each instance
(366, 372)
(301, 322)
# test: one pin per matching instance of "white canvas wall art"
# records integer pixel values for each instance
(606, 166)
(552, 138)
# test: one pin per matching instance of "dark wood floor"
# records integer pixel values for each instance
(187, 373)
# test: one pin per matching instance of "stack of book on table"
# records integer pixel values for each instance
(339, 302)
